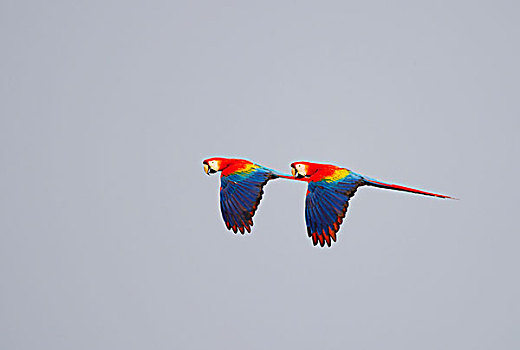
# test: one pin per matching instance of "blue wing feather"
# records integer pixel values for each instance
(326, 205)
(240, 194)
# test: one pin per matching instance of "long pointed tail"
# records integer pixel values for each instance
(276, 174)
(376, 183)
(288, 177)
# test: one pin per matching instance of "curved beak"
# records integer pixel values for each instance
(293, 171)
(206, 169)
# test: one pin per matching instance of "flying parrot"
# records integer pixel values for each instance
(241, 189)
(328, 191)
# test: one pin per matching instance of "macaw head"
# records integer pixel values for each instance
(303, 169)
(212, 165)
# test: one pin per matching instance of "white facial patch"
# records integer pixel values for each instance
(213, 164)
(301, 169)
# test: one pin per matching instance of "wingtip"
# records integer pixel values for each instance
(321, 240)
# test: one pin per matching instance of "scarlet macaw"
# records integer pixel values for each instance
(328, 192)
(241, 189)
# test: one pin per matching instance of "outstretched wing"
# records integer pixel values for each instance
(240, 194)
(326, 204)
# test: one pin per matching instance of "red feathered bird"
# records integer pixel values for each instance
(241, 189)
(328, 192)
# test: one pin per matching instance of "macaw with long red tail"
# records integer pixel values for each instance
(328, 192)
(241, 189)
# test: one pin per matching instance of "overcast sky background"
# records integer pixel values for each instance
(111, 235)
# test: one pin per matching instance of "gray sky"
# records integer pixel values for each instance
(111, 235)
